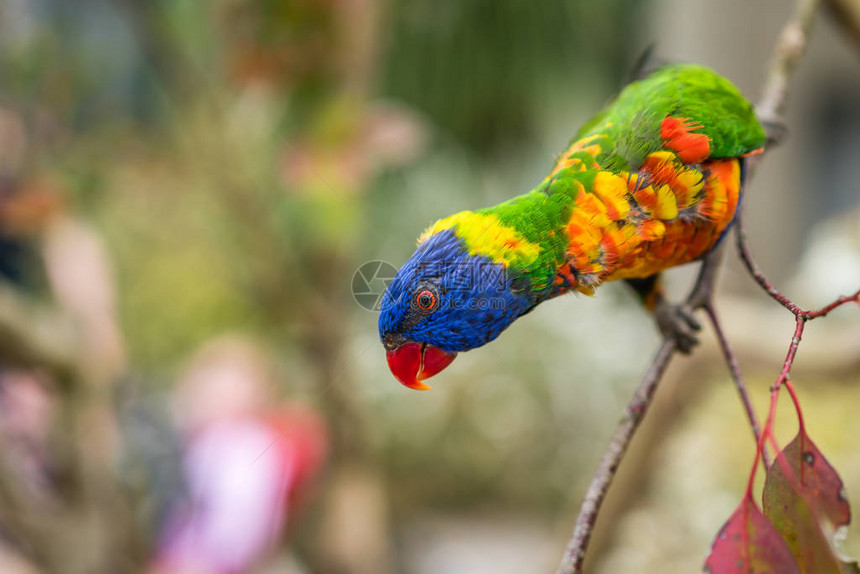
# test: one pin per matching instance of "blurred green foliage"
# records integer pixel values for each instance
(482, 70)
(218, 147)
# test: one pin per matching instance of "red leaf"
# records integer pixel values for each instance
(804, 498)
(749, 544)
(819, 482)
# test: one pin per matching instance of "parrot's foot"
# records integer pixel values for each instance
(676, 322)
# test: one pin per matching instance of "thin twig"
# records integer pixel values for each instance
(33, 336)
(787, 53)
(801, 317)
(737, 377)
(815, 314)
(755, 271)
(847, 16)
(768, 426)
(789, 49)
(574, 554)
(698, 298)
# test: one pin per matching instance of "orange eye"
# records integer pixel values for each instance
(425, 300)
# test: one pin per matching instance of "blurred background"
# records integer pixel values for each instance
(187, 384)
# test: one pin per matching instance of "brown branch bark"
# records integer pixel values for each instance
(787, 53)
(737, 376)
(20, 522)
(89, 510)
(574, 554)
(699, 298)
(31, 336)
(847, 15)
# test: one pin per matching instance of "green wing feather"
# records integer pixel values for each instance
(626, 132)
(689, 91)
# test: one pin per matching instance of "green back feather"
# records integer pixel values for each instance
(684, 91)
(631, 129)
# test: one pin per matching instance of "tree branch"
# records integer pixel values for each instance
(698, 298)
(35, 337)
(574, 554)
(787, 53)
(737, 377)
(847, 15)
(89, 505)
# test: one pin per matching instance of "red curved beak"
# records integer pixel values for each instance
(411, 363)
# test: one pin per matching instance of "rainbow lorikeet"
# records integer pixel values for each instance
(651, 182)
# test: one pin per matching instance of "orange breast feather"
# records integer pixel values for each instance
(635, 225)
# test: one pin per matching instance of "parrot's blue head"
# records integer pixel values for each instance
(443, 301)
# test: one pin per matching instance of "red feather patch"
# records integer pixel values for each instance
(678, 136)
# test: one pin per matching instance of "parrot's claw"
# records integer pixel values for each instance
(678, 323)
